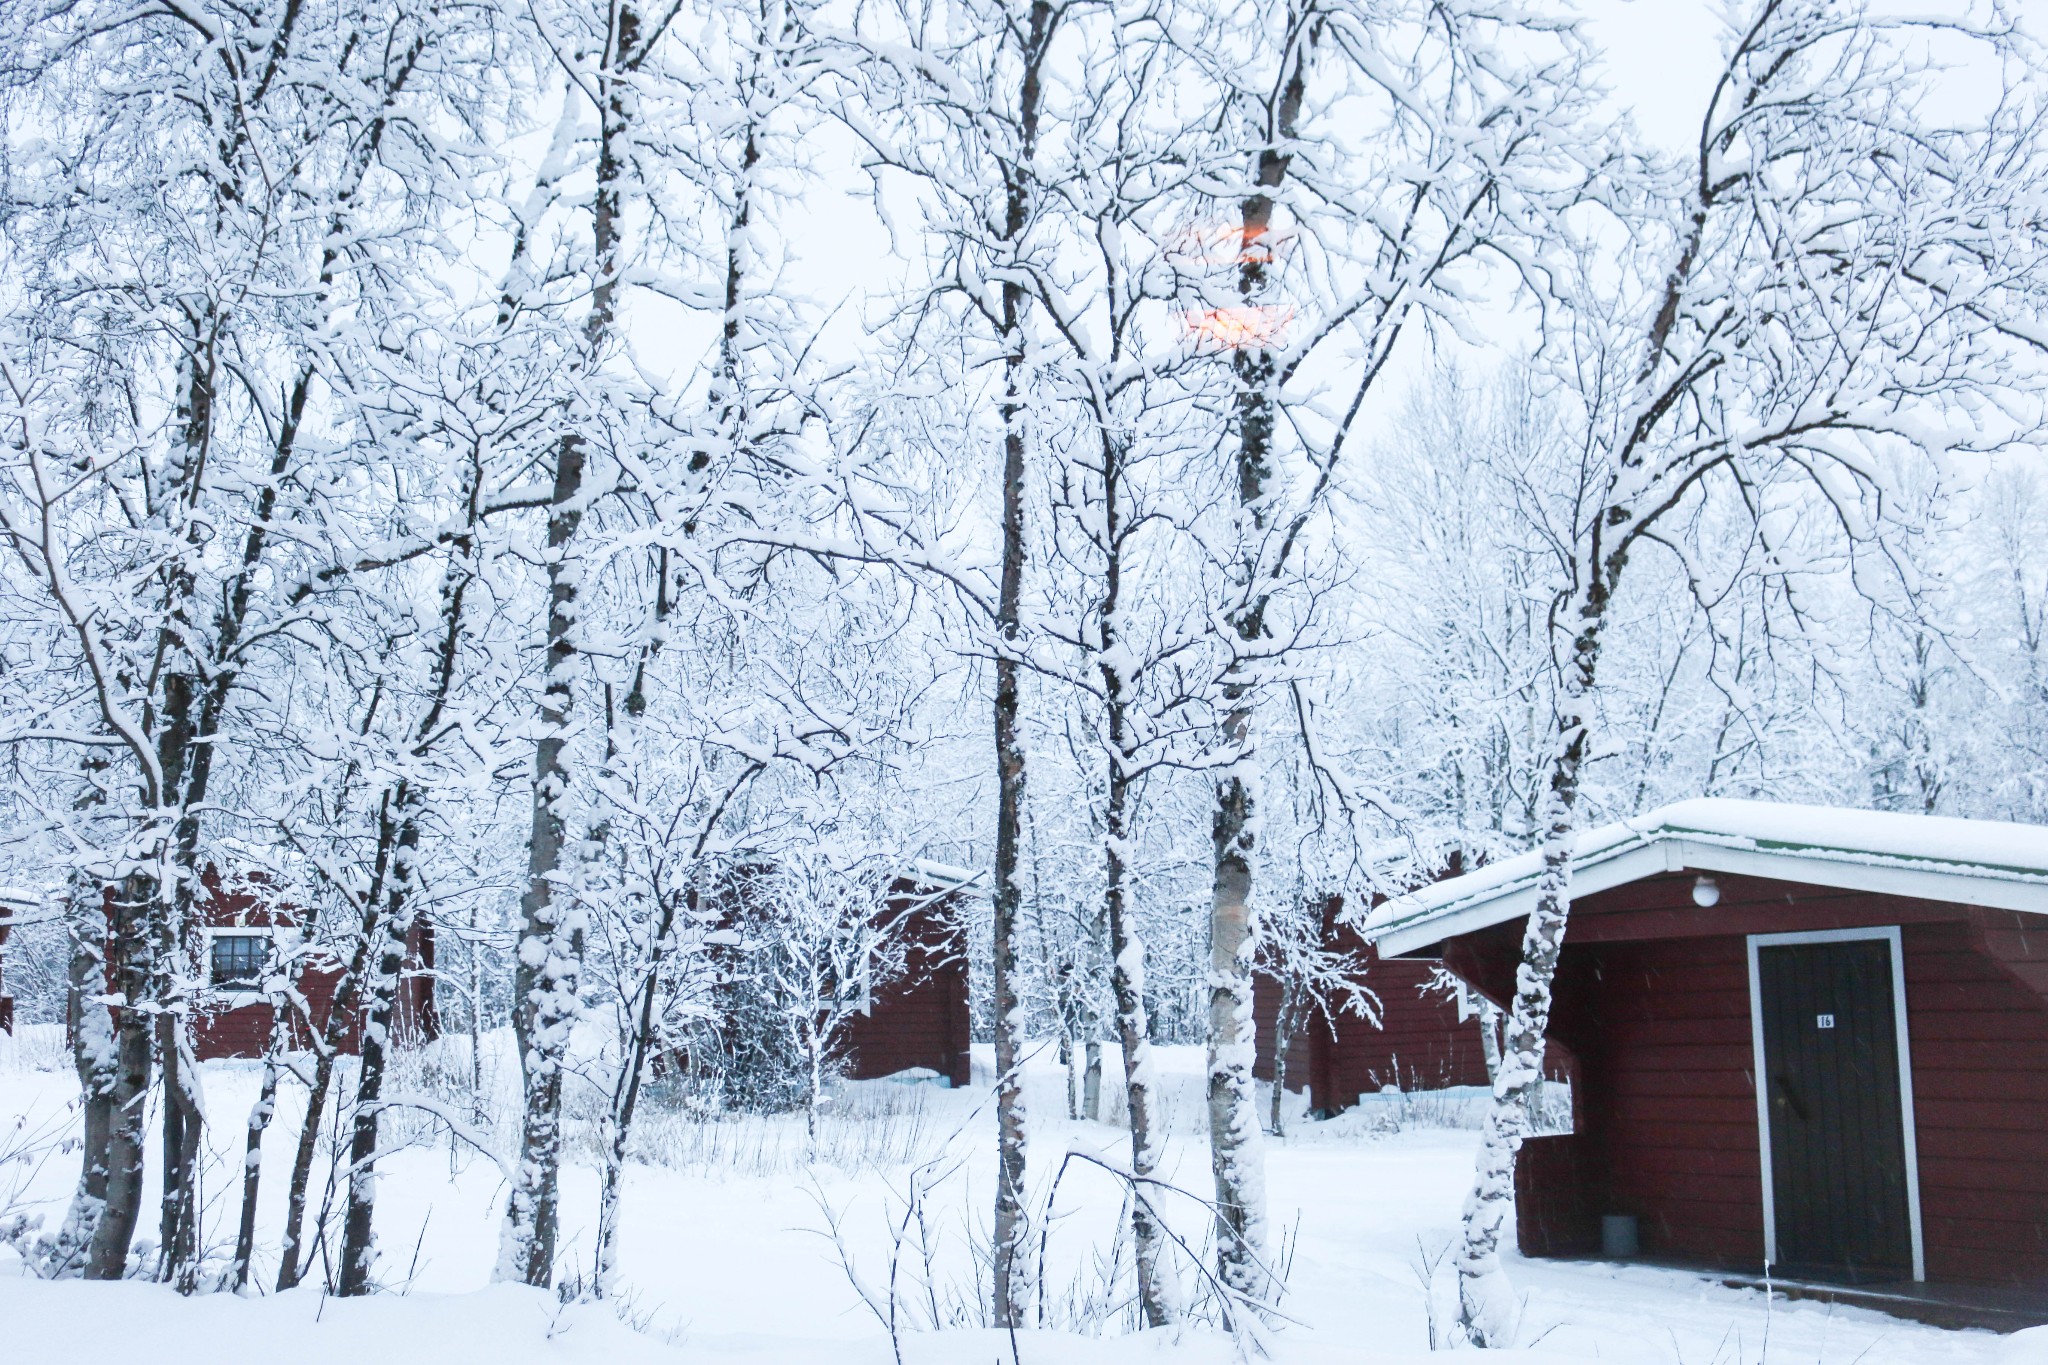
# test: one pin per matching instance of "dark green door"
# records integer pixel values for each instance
(1838, 1148)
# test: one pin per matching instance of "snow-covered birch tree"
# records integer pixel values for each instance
(953, 100)
(218, 223)
(1828, 282)
(1386, 150)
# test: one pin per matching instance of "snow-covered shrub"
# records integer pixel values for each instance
(866, 1126)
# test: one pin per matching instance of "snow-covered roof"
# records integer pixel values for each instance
(1932, 857)
(944, 877)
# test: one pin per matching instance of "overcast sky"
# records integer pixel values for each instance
(1661, 59)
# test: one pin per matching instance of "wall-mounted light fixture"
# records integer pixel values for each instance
(1706, 891)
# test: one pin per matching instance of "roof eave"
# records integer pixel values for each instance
(1955, 885)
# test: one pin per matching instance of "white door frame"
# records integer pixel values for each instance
(1889, 934)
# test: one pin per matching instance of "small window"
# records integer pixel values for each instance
(239, 960)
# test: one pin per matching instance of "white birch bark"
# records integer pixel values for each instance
(1012, 1269)
(1488, 1313)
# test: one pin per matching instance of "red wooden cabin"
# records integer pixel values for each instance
(6, 1000)
(1427, 1037)
(242, 934)
(14, 906)
(1886, 974)
(921, 1019)
(918, 1019)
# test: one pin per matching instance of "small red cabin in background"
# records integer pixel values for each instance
(13, 906)
(6, 1000)
(921, 1019)
(1427, 1037)
(912, 1016)
(242, 933)
(1886, 976)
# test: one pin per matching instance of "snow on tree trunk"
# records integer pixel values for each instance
(1489, 1038)
(547, 975)
(547, 980)
(1487, 1311)
(632, 1074)
(1011, 1271)
(1088, 987)
(170, 919)
(107, 1258)
(1286, 1021)
(1158, 1290)
(380, 1015)
(1091, 1077)
(291, 1246)
(1235, 1150)
(341, 1015)
(260, 1115)
(1011, 1249)
(1236, 1159)
(399, 817)
(184, 1123)
(95, 1055)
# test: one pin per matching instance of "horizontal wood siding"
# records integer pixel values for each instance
(1653, 998)
(243, 1030)
(921, 1020)
(1979, 1037)
(1302, 1048)
(1665, 1096)
(1420, 1043)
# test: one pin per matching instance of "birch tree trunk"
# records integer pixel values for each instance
(182, 766)
(1158, 1294)
(1236, 1160)
(128, 1095)
(291, 1247)
(358, 1252)
(95, 1055)
(1091, 1020)
(1011, 1273)
(302, 1172)
(1286, 1020)
(1091, 1072)
(547, 981)
(260, 1114)
(342, 1016)
(1487, 1310)
(626, 1100)
(398, 839)
(192, 709)
(183, 1142)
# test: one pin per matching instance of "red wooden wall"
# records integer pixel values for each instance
(224, 1029)
(922, 1019)
(1419, 1043)
(1653, 998)
(6, 1000)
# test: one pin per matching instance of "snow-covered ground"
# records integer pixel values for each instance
(728, 1256)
